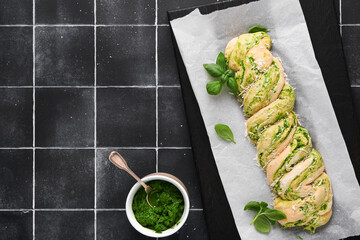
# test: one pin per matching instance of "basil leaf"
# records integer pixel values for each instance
(298, 237)
(258, 28)
(213, 87)
(262, 224)
(220, 60)
(214, 69)
(263, 205)
(274, 215)
(252, 205)
(232, 85)
(223, 78)
(272, 222)
(230, 73)
(224, 132)
(265, 215)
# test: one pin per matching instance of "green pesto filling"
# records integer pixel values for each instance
(168, 209)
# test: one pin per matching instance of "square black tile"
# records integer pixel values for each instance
(166, 5)
(180, 163)
(64, 117)
(126, 117)
(194, 227)
(113, 184)
(125, 12)
(356, 97)
(125, 55)
(173, 128)
(350, 11)
(16, 225)
(350, 38)
(16, 123)
(113, 225)
(64, 12)
(15, 42)
(58, 225)
(16, 12)
(64, 56)
(168, 73)
(16, 177)
(64, 178)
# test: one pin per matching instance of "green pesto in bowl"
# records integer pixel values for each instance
(168, 209)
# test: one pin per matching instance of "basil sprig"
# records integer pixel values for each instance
(224, 132)
(265, 215)
(258, 28)
(219, 70)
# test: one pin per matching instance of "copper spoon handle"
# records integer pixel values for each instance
(120, 162)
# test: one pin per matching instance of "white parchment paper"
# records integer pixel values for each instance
(200, 38)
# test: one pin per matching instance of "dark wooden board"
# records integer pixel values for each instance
(323, 27)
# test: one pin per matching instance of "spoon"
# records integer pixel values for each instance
(120, 162)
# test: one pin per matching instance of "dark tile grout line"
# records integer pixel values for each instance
(340, 17)
(96, 87)
(120, 25)
(92, 148)
(157, 90)
(95, 126)
(84, 25)
(34, 144)
(120, 86)
(25, 210)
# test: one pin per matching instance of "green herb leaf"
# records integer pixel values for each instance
(258, 28)
(230, 73)
(227, 75)
(263, 205)
(232, 85)
(213, 87)
(262, 224)
(272, 222)
(214, 69)
(252, 205)
(265, 216)
(223, 78)
(224, 132)
(274, 215)
(220, 60)
(299, 237)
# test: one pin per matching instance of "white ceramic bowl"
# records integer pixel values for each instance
(146, 231)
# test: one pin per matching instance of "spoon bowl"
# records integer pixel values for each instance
(120, 162)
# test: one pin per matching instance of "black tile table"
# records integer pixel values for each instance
(64, 56)
(16, 122)
(79, 79)
(125, 12)
(16, 12)
(70, 225)
(126, 55)
(16, 224)
(64, 12)
(16, 176)
(15, 42)
(64, 117)
(126, 117)
(63, 177)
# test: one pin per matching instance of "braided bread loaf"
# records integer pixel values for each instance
(295, 171)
